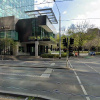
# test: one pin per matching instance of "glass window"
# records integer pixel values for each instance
(2, 34)
(15, 7)
(21, 49)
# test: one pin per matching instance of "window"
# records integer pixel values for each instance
(21, 49)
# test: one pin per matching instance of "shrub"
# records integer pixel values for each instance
(71, 54)
(63, 54)
(52, 55)
(49, 55)
(97, 53)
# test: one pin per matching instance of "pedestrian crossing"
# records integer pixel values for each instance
(47, 73)
(8, 72)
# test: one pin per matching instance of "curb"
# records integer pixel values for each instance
(26, 95)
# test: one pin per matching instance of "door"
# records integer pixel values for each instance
(32, 51)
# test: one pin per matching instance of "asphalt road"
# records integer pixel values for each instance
(87, 72)
(51, 79)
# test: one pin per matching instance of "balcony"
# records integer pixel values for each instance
(33, 38)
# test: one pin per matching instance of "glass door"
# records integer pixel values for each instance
(32, 51)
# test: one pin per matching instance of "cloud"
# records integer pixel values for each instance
(43, 4)
(91, 15)
(65, 12)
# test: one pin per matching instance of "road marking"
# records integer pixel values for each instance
(90, 67)
(18, 74)
(52, 64)
(82, 87)
(47, 73)
(12, 78)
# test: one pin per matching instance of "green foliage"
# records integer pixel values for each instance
(62, 37)
(52, 55)
(49, 55)
(71, 54)
(38, 37)
(6, 42)
(97, 53)
(53, 39)
(57, 38)
(32, 37)
(46, 37)
(63, 54)
(31, 98)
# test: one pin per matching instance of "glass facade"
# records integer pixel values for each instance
(15, 8)
(9, 34)
(39, 31)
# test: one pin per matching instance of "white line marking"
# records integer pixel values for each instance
(52, 64)
(48, 70)
(83, 89)
(18, 74)
(91, 68)
(47, 73)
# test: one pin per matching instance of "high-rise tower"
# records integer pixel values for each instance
(15, 8)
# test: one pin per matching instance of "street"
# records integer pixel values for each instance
(50, 79)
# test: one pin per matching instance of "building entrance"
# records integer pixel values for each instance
(31, 49)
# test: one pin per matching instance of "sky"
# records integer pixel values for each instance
(88, 10)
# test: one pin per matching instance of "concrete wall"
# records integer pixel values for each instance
(24, 29)
(7, 23)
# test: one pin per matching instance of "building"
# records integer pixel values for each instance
(32, 29)
(15, 8)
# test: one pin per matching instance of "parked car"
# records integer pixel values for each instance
(92, 53)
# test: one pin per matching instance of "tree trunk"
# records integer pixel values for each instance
(78, 51)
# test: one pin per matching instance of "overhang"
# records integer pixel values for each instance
(44, 22)
(48, 12)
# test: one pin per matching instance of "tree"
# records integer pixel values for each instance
(94, 38)
(78, 32)
(7, 45)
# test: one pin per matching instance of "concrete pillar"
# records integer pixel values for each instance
(36, 48)
(15, 50)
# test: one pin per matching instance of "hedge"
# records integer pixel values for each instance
(97, 53)
(52, 55)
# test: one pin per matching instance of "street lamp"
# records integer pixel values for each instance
(60, 28)
(59, 31)
(59, 35)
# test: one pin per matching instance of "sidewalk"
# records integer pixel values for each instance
(36, 63)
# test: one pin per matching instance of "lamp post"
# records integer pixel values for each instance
(59, 31)
(59, 36)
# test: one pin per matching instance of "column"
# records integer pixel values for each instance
(36, 48)
(15, 50)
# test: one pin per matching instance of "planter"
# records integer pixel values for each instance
(46, 39)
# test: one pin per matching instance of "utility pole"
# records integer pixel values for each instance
(60, 28)
(59, 31)
(67, 53)
(66, 44)
(59, 36)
